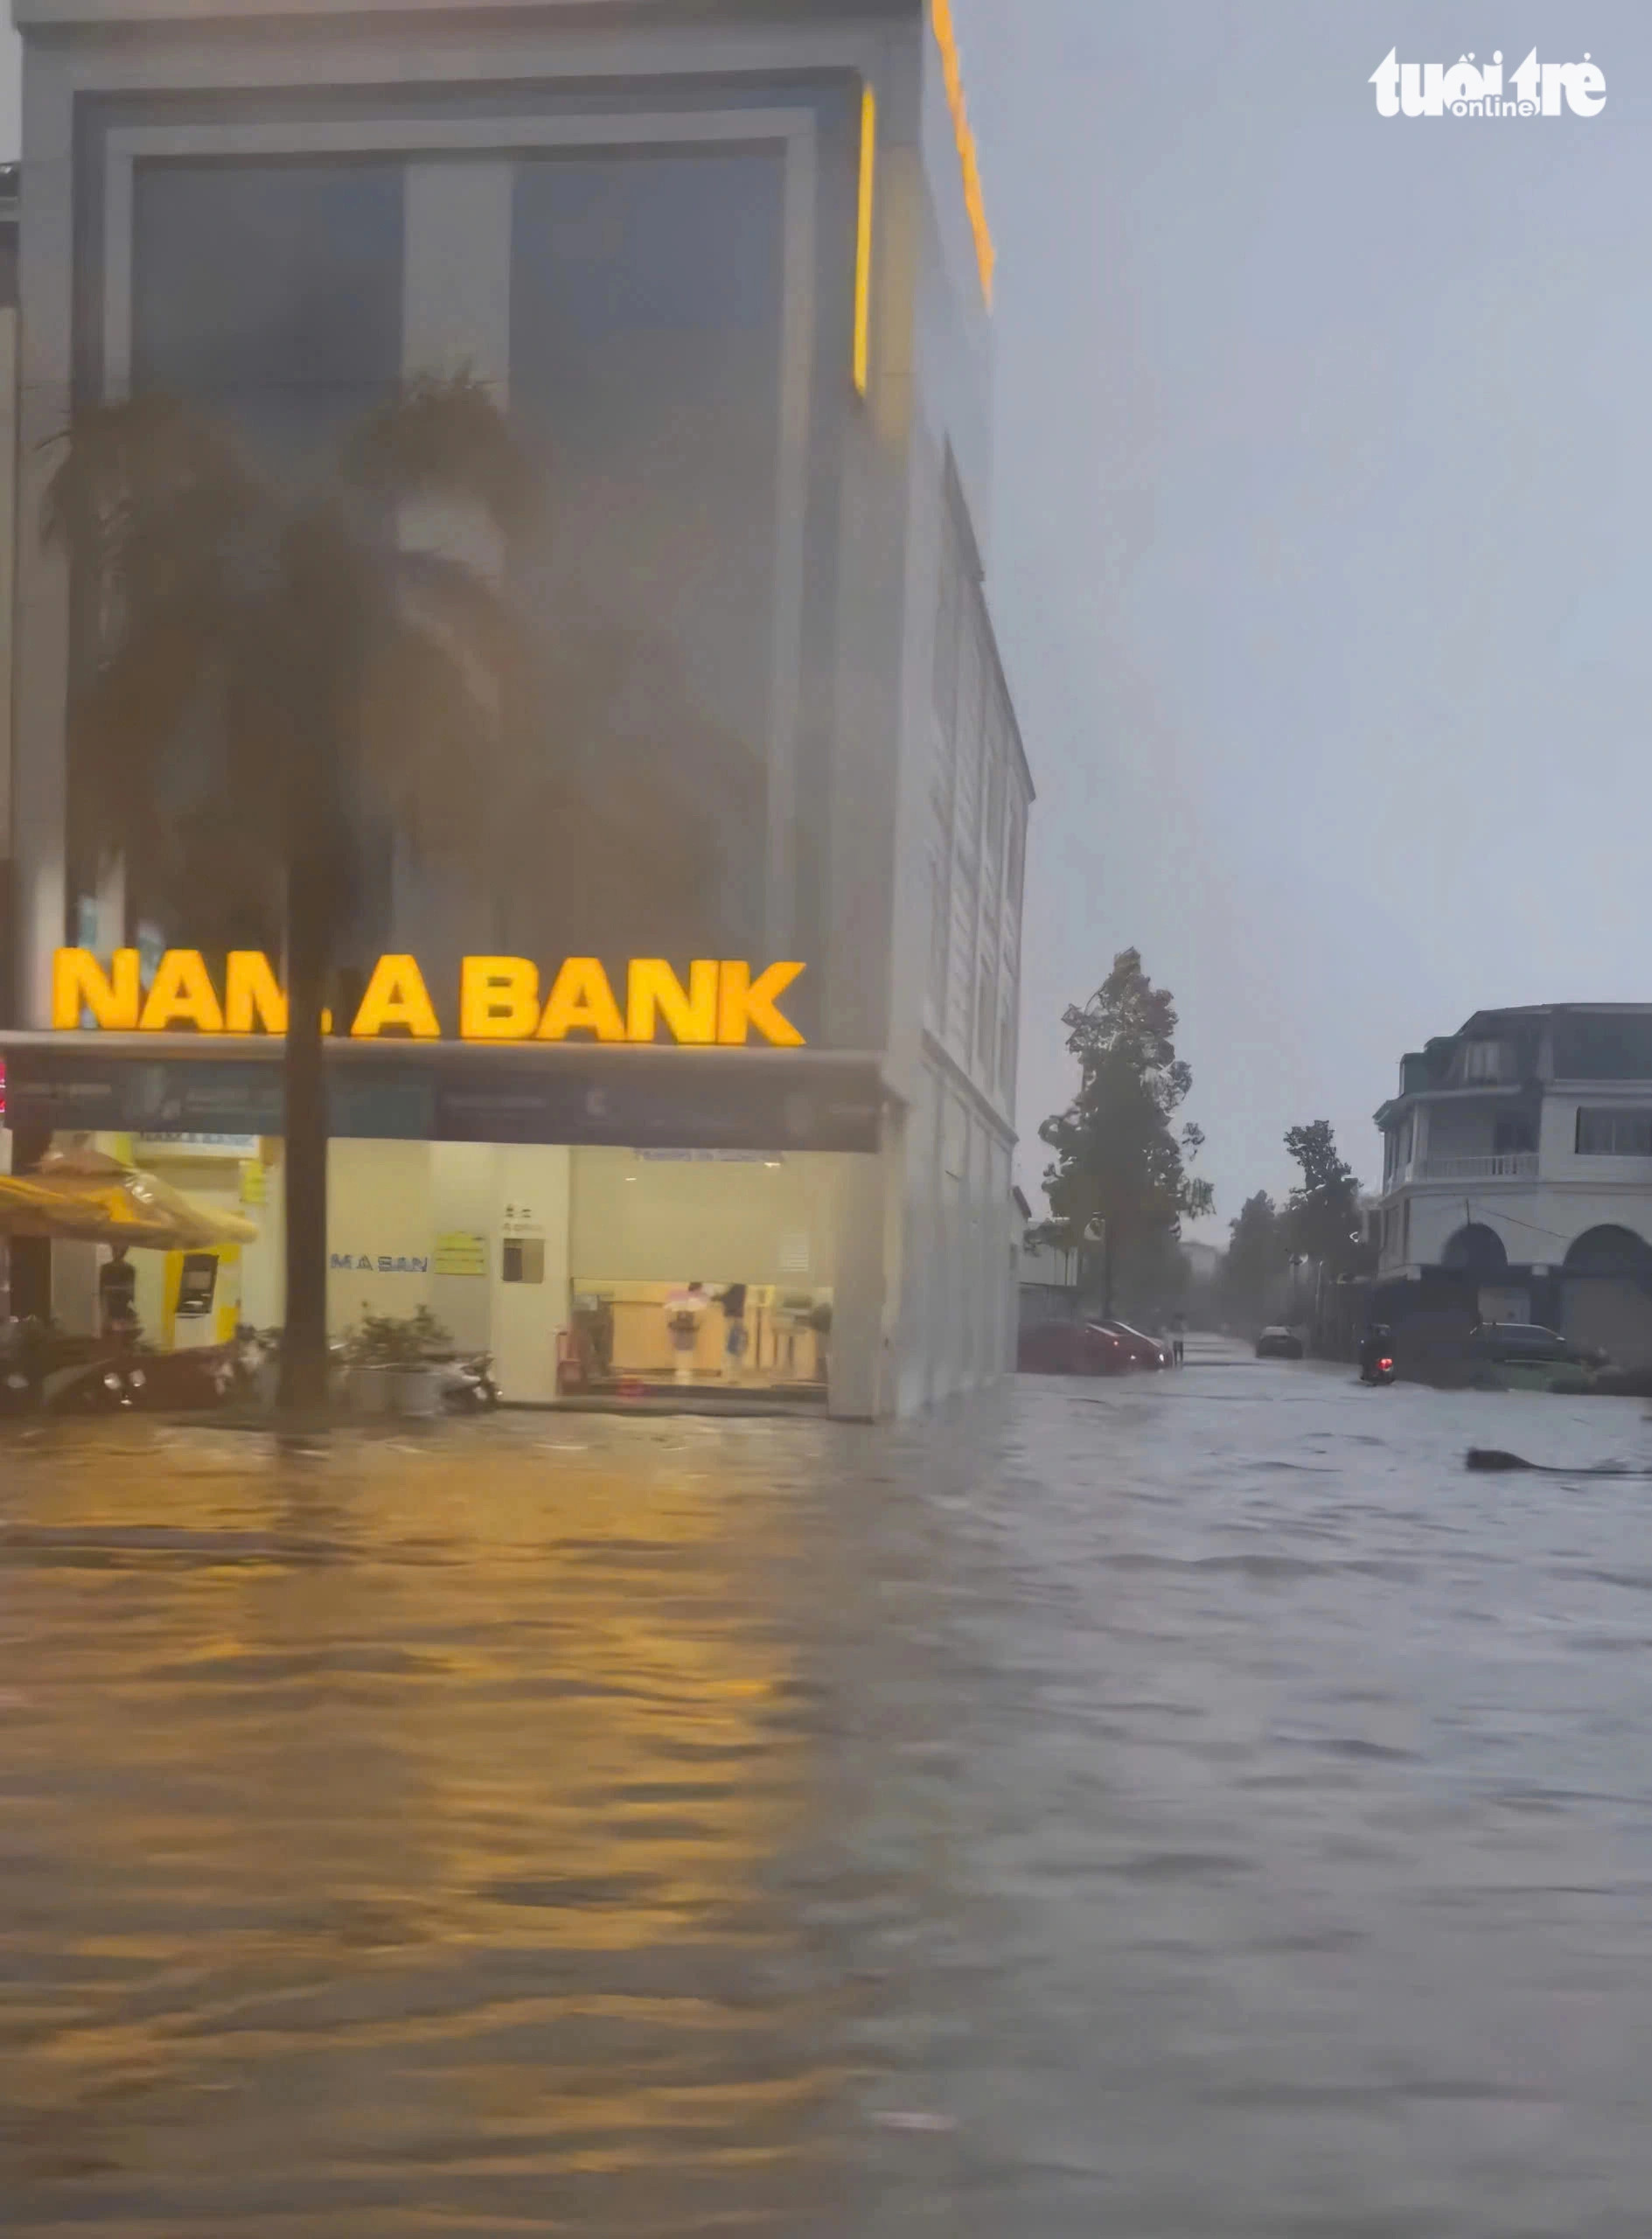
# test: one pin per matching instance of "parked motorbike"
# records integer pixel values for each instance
(101, 1388)
(467, 1386)
(1378, 1369)
(102, 1383)
(255, 1364)
(44, 1371)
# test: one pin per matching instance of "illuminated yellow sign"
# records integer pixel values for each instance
(975, 200)
(722, 1006)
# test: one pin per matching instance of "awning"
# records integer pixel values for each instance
(84, 1196)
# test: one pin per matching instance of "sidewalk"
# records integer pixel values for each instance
(1206, 1349)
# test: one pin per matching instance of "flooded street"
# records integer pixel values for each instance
(1189, 1807)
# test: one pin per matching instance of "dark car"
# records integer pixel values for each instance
(1527, 1356)
(1141, 1350)
(1069, 1349)
(1278, 1344)
(44, 1368)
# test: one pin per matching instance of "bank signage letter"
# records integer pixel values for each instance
(723, 1003)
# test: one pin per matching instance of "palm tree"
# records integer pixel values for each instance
(266, 657)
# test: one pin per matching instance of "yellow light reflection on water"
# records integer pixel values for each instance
(406, 1793)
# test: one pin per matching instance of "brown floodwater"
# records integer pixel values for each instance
(1184, 1807)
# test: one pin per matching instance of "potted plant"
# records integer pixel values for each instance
(392, 1363)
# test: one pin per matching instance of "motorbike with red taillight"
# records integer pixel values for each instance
(1377, 1358)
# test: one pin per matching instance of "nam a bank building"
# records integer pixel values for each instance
(756, 949)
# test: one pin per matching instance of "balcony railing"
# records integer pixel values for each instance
(1484, 1166)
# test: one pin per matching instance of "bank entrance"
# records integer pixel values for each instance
(685, 1262)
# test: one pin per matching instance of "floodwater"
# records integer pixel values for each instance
(1184, 1807)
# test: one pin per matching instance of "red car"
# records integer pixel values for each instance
(1141, 1350)
(1071, 1349)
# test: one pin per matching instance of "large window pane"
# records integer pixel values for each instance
(646, 295)
(270, 293)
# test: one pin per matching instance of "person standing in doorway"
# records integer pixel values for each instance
(735, 1336)
(685, 1310)
(117, 1295)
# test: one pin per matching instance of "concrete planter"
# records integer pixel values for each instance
(414, 1392)
(368, 1391)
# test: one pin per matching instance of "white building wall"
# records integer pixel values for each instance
(1557, 1135)
(1537, 1224)
(1538, 1219)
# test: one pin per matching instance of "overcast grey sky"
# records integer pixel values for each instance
(1324, 472)
(1323, 480)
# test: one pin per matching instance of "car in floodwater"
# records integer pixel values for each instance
(1526, 1357)
(1071, 1349)
(1142, 1351)
(1279, 1343)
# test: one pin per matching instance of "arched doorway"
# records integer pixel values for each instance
(1474, 1249)
(1609, 1251)
(1607, 1294)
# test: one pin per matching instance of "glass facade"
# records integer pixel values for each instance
(270, 293)
(645, 337)
(644, 314)
(702, 755)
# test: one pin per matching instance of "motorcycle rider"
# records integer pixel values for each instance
(1377, 1344)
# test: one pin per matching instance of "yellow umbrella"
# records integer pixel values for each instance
(85, 1196)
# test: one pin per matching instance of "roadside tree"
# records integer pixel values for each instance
(1119, 1184)
(267, 659)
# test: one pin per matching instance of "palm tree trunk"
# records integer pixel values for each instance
(303, 1366)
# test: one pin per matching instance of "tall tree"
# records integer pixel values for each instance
(1256, 1256)
(267, 656)
(1322, 1221)
(1119, 1177)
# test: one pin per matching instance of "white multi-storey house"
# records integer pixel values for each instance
(1517, 1174)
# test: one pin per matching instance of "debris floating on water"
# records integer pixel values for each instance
(1494, 1458)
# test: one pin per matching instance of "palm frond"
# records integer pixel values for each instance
(153, 473)
(427, 727)
(129, 722)
(443, 437)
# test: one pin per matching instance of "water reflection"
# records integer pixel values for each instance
(391, 1832)
(1189, 1810)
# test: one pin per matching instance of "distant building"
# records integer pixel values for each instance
(1204, 1260)
(1047, 1276)
(1517, 1175)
